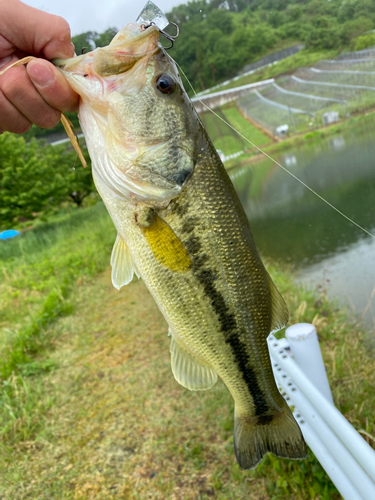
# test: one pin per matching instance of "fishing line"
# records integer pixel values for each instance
(276, 162)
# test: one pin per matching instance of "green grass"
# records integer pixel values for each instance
(40, 268)
(93, 411)
(224, 137)
(240, 123)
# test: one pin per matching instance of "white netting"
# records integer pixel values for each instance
(360, 79)
(274, 116)
(323, 94)
(346, 64)
(294, 84)
(359, 54)
(302, 101)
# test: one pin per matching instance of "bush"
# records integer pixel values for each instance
(36, 178)
(363, 42)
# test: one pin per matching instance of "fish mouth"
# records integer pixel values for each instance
(131, 44)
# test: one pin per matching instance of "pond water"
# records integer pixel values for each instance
(292, 225)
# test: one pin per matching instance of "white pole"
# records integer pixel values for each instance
(358, 447)
(304, 343)
(348, 465)
(328, 463)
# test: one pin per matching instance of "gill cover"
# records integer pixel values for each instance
(135, 116)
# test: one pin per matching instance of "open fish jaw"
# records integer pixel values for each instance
(148, 147)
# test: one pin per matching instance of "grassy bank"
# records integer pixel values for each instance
(228, 141)
(353, 123)
(93, 412)
(224, 137)
(40, 269)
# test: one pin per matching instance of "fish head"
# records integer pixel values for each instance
(139, 124)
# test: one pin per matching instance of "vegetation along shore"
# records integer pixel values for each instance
(85, 374)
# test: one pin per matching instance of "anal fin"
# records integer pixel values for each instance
(123, 267)
(188, 370)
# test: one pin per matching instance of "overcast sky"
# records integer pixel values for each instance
(97, 15)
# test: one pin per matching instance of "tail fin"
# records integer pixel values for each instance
(278, 433)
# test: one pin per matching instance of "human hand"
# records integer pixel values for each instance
(38, 92)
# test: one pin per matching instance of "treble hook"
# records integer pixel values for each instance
(171, 38)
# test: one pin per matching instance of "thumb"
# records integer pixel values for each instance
(52, 86)
(35, 32)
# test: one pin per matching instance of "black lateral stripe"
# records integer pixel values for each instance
(228, 324)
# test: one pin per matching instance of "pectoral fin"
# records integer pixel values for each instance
(168, 250)
(188, 370)
(123, 267)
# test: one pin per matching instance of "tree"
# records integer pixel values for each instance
(356, 27)
(78, 180)
(194, 11)
(36, 178)
(293, 11)
(105, 38)
(351, 9)
(325, 34)
(220, 19)
(85, 41)
(28, 183)
(276, 18)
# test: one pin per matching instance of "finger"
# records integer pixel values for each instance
(6, 61)
(34, 31)
(21, 93)
(52, 85)
(11, 119)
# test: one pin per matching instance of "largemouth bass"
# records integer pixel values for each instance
(181, 227)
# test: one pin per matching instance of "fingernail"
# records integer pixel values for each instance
(66, 54)
(41, 74)
(4, 61)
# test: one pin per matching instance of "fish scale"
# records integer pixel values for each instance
(184, 231)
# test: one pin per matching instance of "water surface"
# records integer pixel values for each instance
(292, 225)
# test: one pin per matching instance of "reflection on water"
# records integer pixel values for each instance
(337, 143)
(290, 160)
(350, 275)
(291, 224)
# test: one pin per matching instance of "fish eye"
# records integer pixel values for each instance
(165, 84)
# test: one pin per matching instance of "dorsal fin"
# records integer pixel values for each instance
(280, 314)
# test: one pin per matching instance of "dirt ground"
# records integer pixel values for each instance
(119, 426)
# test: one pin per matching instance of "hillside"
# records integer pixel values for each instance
(219, 38)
